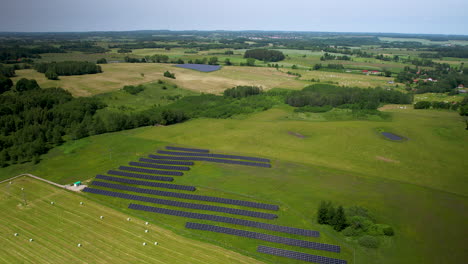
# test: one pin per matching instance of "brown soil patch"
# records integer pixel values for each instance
(386, 159)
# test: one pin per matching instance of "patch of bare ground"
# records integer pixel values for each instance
(386, 159)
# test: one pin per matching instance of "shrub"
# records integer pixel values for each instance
(359, 222)
(169, 75)
(314, 109)
(388, 231)
(422, 105)
(101, 61)
(351, 231)
(51, 74)
(133, 89)
(376, 230)
(369, 241)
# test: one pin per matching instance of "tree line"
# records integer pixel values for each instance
(264, 55)
(65, 68)
(326, 94)
(242, 91)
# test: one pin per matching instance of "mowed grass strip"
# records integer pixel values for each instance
(57, 230)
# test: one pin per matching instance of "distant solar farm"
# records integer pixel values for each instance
(174, 162)
(199, 67)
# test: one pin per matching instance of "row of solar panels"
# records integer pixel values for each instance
(139, 176)
(299, 255)
(264, 237)
(180, 195)
(170, 162)
(146, 183)
(171, 173)
(156, 166)
(177, 203)
(236, 162)
(224, 219)
(187, 149)
(223, 156)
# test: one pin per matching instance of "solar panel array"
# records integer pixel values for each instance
(154, 166)
(146, 183)
(264, 237)
(139, 176)
(224, 219)
(172, 173)
(237, 162)
(172, 162)
(188, 149)
(224, 156)
(189, 196)
(299, 255)
(173, 203)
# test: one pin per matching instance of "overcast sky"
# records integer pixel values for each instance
(400, 16)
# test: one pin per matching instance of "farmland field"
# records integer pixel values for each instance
(57, 230)
(398, 172)
(115, 76)
(339, 161)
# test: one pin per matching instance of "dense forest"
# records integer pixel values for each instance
(265, 55)
(323, 95)
(67, 68)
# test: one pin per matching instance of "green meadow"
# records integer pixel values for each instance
(417, 186)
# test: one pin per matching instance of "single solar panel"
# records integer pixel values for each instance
(171, 162)
(224, 219)
(171, 173)
(155, 166)
(175, 203)
(212, 155)
(187, 149)
(146, 183)
(264, 237)
(139, 176)
(299, 255)
(236, 162)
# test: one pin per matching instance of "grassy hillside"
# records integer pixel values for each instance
(417, 186)
(57, 230)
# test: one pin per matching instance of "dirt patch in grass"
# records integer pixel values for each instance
(386, 159)
(296, 134)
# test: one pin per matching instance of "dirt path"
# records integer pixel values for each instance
(37, 178)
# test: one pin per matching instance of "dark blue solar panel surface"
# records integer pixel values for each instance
(170, 162)
(264, 237)
(187, 149)
(146, 183)
(177, 203)
(139, 176)
(212, 155)
(299, 255)
(199, 67)
(171, 173)
(391, 136)
(224, 219)
(189, 196)
(155, 166)
(236, 162)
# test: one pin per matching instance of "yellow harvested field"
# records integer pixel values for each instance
(348, 79)
(117, 75)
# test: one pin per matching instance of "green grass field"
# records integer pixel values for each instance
(418, 186)
(57, 230)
